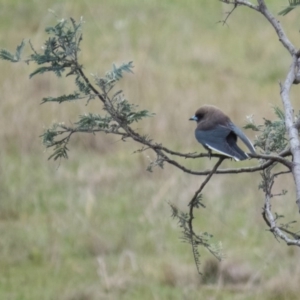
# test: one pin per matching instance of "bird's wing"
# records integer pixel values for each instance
(217, 140)
(242, 136)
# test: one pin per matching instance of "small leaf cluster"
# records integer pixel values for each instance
(195, 240)
(60, 149)
(107, 82)
(60, 54)
(93, 121)
(271, 135)
(198, 202)
(292, 5)
(63, 98)
(12, 57)
(158, 162)
(60, 50)
(128, 112)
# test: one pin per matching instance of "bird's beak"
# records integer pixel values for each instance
(193, 118)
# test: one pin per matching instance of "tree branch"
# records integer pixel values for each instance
(194, 203)
(273, 158)
(285, 97)
(241, 2)
(277, 26)
(271, 222)
(291, 129)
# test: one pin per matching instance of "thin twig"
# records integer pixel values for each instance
(192, 206)
(241, 2)
(228, 15)
(262, 7)
(273, 158)
(277, 231)
(204, 183)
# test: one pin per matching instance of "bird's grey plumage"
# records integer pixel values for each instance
(243, 137)
(215, 131)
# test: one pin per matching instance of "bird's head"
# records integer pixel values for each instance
(209, 115)
(200, 114)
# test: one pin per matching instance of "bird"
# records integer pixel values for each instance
(215, 131)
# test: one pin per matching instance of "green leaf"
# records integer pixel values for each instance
(293, 5)
(251, 126)
(48, 137)
(82, 85)
(19, 50)
(6, 55)
(93, 120)
(279, 113)
(62, 98)
(59, 152)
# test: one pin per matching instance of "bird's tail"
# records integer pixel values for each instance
(238, 152)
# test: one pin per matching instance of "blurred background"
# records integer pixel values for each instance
(98, 225)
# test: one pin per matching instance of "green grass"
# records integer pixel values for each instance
(98, 226)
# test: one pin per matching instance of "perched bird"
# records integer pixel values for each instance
(215, 131)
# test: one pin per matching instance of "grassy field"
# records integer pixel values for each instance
(98, 226)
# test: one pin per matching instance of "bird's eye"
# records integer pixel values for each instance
(199, 116)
